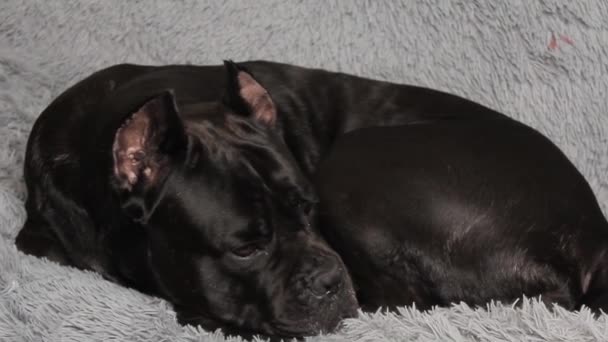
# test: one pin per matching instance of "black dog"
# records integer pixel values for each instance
(195, 184)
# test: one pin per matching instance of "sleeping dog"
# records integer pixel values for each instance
(267, 198)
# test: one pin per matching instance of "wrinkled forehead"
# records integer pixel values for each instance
(253, 157)
(217, 128)
(207, 208)
(194, 111)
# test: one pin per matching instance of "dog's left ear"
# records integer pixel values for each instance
(248, 97)
(145, 146)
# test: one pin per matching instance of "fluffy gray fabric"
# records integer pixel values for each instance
(543, 62)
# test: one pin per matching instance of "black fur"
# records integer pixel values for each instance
(423, 197)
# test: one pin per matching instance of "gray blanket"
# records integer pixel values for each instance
(543, 62)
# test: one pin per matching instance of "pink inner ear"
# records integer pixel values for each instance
(129, 150)
(257, 98)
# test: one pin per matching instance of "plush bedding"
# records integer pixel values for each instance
(542, 62)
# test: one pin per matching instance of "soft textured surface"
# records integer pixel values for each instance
(544, 62)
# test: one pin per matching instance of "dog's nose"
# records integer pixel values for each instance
(328, 278)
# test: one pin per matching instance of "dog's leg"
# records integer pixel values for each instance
(595, 285)
(562, 297)
(598, 303)
(38, 239)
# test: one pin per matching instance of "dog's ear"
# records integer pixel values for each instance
(143, 148)
(248, 97)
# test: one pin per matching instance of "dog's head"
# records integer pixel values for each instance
(228, 213)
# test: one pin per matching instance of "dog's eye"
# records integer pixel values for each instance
(306, 207)
(247, 250)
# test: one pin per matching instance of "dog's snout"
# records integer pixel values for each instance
(328, 279)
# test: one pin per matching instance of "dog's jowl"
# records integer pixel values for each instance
(268, 198)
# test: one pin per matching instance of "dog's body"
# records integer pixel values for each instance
(461, 210)
(208, 202)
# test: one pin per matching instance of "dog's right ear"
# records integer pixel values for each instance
(247, 96)
(142, 150)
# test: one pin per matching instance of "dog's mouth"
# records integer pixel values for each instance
(321, 314)
(324, 318)
(309, 329)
